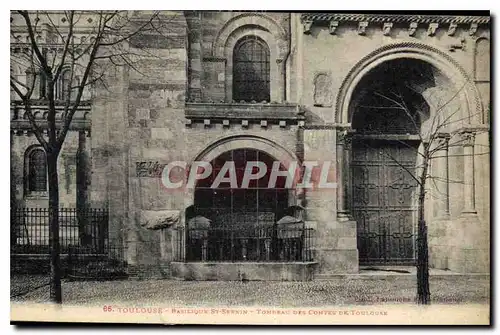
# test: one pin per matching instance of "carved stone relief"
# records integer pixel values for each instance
(322, 90)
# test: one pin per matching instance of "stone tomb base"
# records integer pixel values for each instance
(297, 271)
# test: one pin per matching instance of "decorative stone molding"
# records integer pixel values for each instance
(397, 18)
(271, 112)
(431, 30)
(151, 169)
(263, 123)
(473, 29)
(159, 219)
(225, 123)
(227, 143)
(362, 27)
(386, 29)
(333, 26)
(457, 46)
(19, 116)
(344, 137)
(206, 123)
(307, 25)
(244, 123)
(412, 29)
(452, 29)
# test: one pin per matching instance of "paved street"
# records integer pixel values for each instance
(341, 291)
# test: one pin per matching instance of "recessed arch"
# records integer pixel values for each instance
(260, 21)
(225, 144)
(482, 59)
(227, 221)
(35, 170)
(470, 101)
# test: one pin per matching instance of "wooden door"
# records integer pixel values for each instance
(384, 201)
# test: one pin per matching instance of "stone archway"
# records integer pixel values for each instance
(226, 144)
(458, 77)
(395, 107)
(242, 223)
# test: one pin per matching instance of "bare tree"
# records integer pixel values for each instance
(430, 129)
(81, 50)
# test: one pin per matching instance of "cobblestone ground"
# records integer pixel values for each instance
(373, 290)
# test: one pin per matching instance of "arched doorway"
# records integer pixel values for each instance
(230, 223)
(389, 111)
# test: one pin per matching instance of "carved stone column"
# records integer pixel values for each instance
(441, 174)
(280, 82)
(344, 141)
(468, 138)
(193, 19)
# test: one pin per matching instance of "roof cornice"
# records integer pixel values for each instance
(350, 17)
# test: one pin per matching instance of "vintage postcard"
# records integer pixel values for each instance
(238, 167)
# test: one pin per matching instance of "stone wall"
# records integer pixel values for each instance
(142, 119)
(332, 53)
(67, 163)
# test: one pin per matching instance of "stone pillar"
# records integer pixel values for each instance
(280, 96)
(343, 174)
(194, 67)
(468, 138)
(335, 247)
(441, 174)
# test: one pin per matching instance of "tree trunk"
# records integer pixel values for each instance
(423, 291)
(82, 168)
(55, 262)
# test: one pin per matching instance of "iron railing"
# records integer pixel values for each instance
(77, 227)
(258, 244)
(85, 248)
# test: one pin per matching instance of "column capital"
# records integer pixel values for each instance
(344, 136)
(443, 135)
(467, 138)
(441, 141)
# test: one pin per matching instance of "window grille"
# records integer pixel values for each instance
(251, 70)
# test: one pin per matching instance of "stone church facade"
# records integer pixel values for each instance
(291, 87)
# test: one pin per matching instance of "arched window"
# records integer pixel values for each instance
(251, 70)
(37, 171)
